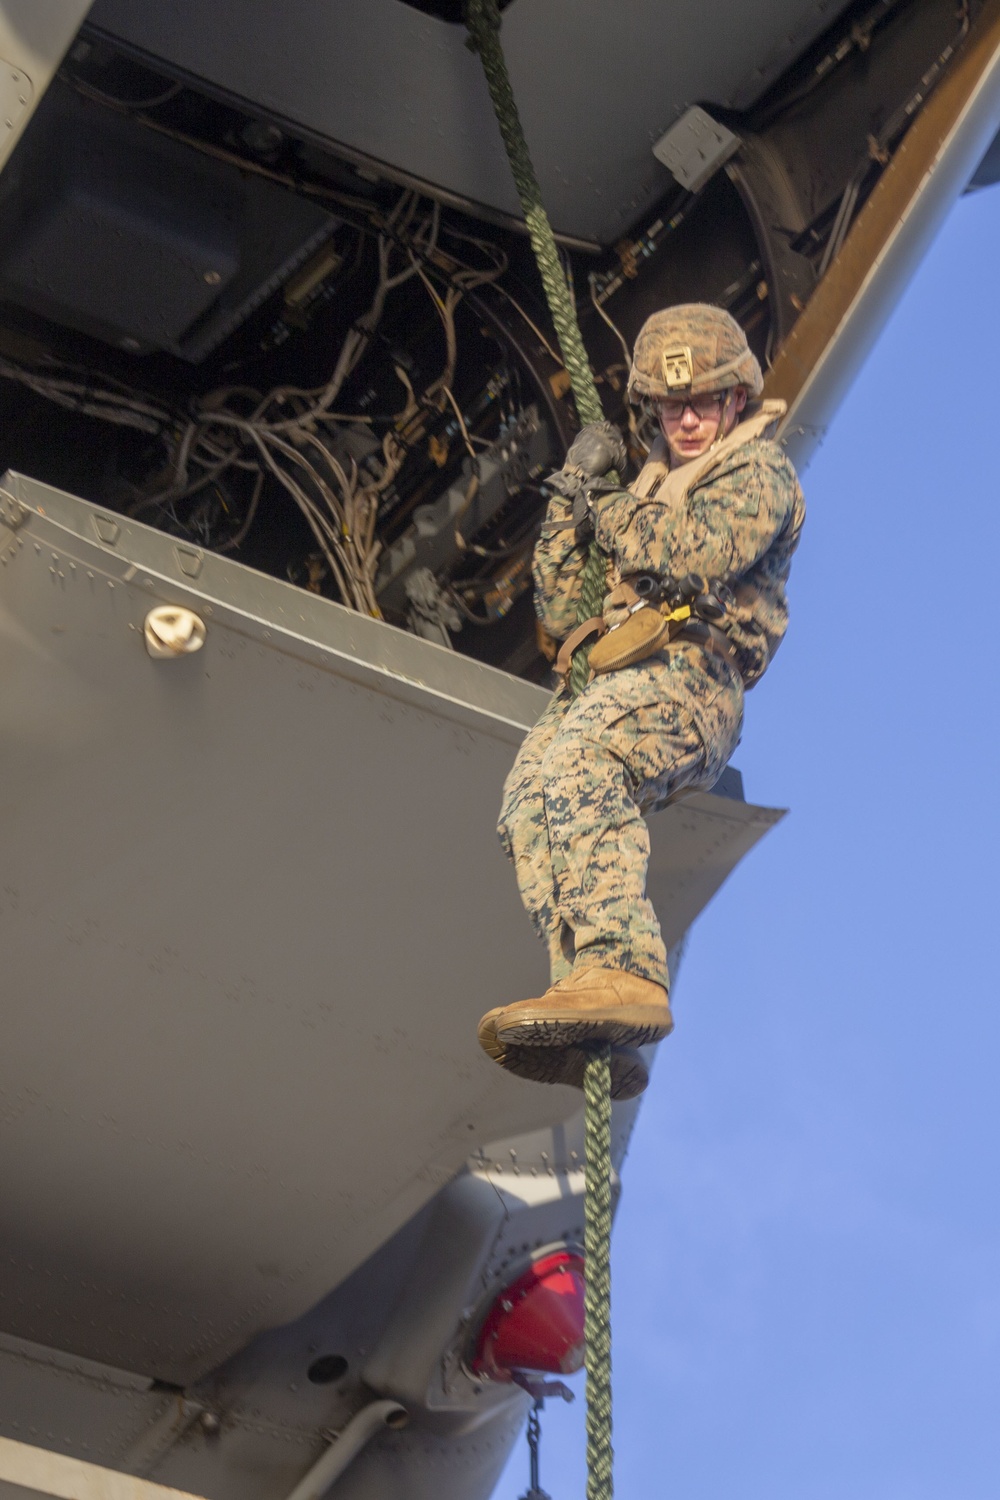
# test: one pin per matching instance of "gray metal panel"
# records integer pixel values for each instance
(34, 34)
(696, 844)
(30, 1473)
(251, 906)
(596, 85)
(73, 1405)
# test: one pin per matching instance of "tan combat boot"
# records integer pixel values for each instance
(589, 1006)
(566, 1065)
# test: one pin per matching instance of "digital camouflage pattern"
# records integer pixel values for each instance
(573, 812)
(572, 818)
(736, 515)
(720, 355)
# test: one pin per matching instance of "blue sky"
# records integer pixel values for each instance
(807, 1255)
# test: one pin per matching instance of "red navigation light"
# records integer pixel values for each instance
(536, 1323)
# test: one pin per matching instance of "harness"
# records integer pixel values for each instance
(643, 616)
(647, 613)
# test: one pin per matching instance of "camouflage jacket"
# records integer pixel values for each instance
(736, 513)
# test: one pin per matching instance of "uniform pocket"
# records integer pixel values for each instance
(654, 737)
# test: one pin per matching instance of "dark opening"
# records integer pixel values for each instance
(327, 1368)
(445, 10)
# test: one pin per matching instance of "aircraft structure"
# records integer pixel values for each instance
(280, 395)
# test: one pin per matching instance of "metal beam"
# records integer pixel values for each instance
(26, 1471)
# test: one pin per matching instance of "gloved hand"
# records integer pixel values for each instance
(597, 448)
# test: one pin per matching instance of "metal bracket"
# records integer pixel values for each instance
(695, 147)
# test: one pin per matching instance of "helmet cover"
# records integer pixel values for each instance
(692, 349)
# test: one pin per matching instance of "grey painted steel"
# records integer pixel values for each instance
(695, 147)
(890, 273)
(405, 1320)
(595, 89)
(252, 906)
(31, 1473)
(346, 1446)
(34, 35)
(140, 240)
(92, 1410)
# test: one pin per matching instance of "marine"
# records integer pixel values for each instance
(698, 553)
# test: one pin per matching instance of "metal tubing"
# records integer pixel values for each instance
(346, 1446)
(151, 1445)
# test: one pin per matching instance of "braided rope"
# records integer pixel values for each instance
(597, 1253)
(593, 586)
(482, 17)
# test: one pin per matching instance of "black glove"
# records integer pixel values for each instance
(597, 448)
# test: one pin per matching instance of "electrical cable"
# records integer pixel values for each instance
(102, 97)
(241, 428)
(878, 153)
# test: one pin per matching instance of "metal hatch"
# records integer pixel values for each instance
(596, 85)
(251, 906)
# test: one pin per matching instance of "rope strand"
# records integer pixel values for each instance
(597, 1255)
(483, 21)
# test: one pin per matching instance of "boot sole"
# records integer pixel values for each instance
(565, 1065)
(625, 1026)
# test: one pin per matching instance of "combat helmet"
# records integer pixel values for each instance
(691, 350)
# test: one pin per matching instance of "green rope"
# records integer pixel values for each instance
(597, 1254)
(482, 17)
(593, 587)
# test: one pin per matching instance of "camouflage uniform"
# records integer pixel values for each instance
(573, 810)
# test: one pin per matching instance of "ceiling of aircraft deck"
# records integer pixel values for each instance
(399, 86)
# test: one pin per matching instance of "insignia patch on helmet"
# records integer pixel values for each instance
(678, 368)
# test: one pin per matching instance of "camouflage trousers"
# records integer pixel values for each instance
(573, 809)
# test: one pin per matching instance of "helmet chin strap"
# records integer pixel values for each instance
(722, 431)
